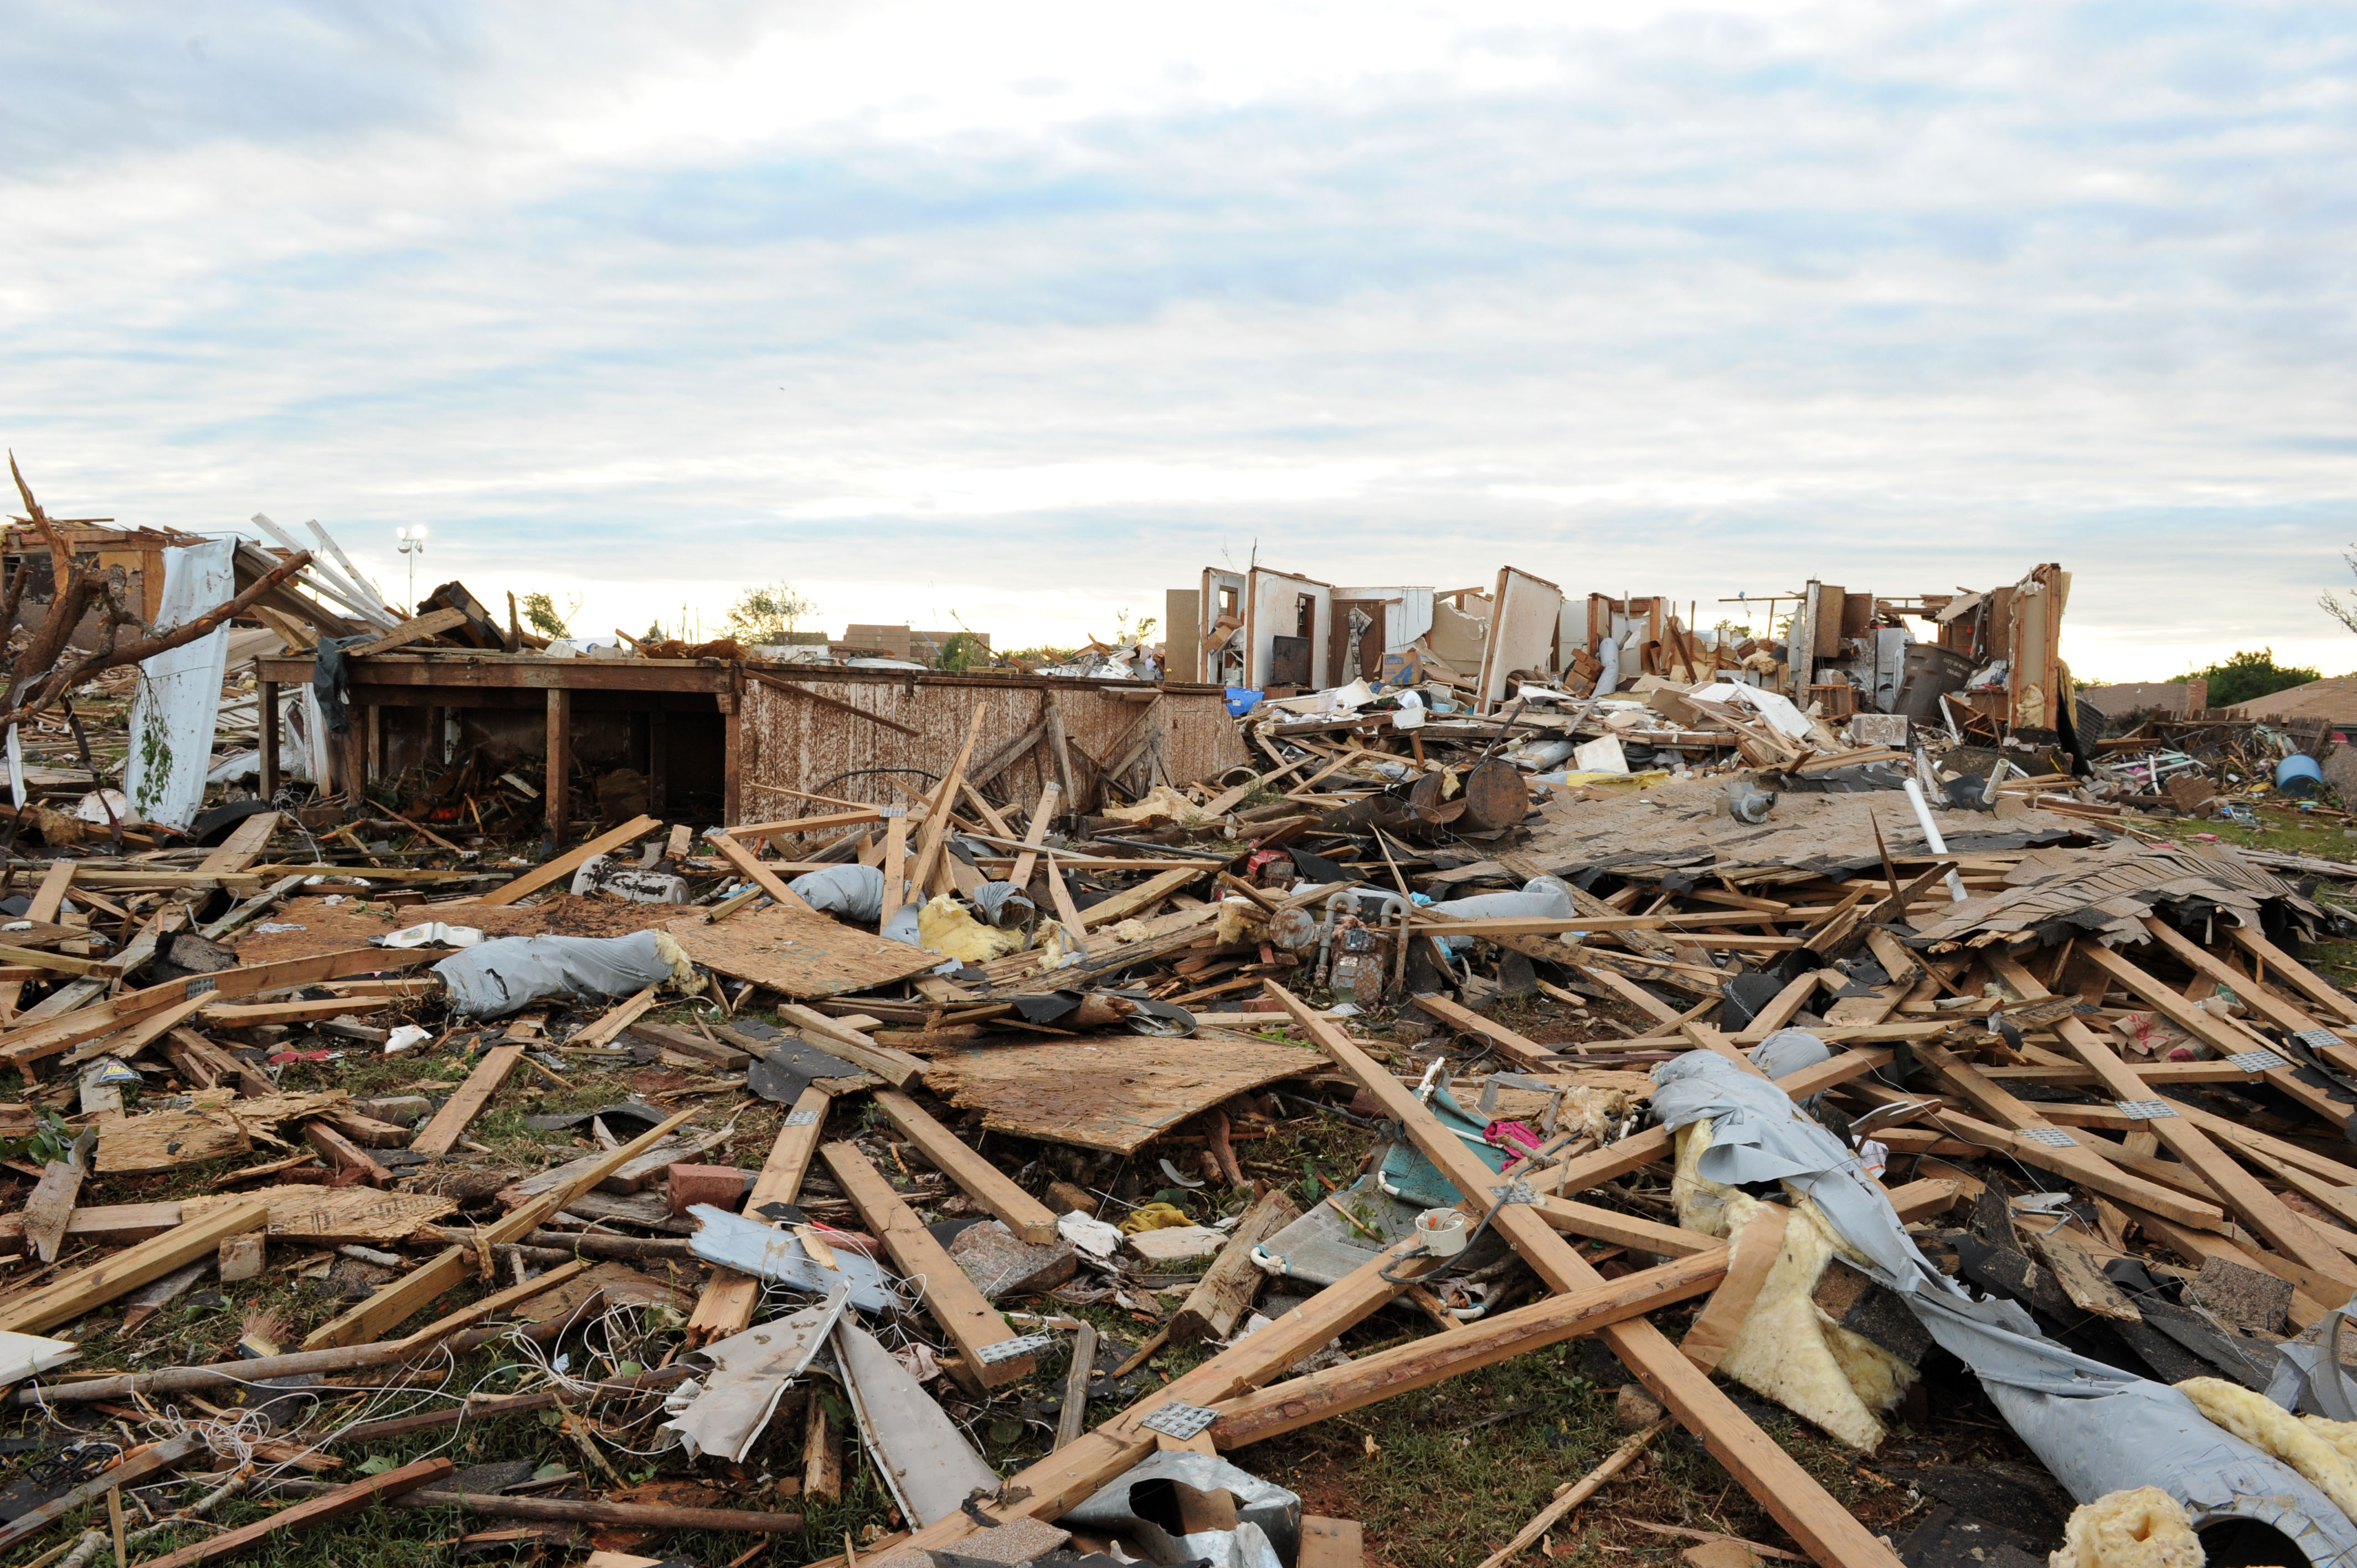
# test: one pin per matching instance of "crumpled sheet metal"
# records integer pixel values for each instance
(926, 1462)
(2098, 1428)
(751, 1247)
(1273, 1512)
(492, 979)
(750, 1371)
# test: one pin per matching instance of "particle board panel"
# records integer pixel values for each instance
(800, 953)
(1115, 1093)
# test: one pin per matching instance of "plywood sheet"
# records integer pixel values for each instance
(336, 1214)
(802, 954)
(1110, 1092)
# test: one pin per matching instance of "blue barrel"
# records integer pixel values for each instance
(2299, 777)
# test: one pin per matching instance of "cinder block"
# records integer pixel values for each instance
(720, 1185)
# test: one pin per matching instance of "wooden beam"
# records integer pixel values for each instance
(1830, 1533)
(1514, 1047)
(769, 881)
(433, 623)
(558, 795)
(1631, 992)
(1318, 1396)
(897, 1068)
(1218, 1303)
(977, 1178)
(951, 1297)
(2319, 988)
(65, 1299)
(246, 843)
(1144, 897)
(564, 865)
(406, 1297)
(726, 1305)
(360, 1494)
(935, 832)
(1035, 833)
(615, 1019)
(2261, 1210)
(472, 1097)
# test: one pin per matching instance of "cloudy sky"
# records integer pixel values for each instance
(1022, 314)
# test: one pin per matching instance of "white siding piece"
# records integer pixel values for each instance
(1522, 630)
(174, 712)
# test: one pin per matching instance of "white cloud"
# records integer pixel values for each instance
(1054, 304)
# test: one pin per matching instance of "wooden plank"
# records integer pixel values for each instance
(896, 865)
(459, 1112)
(977, 1178)
(2261, 1210)
(246, 843)
(1319, 1396)
(1633, 994)
(936, 829)
(1035, 833)
(2318, 989)
(130, 1042)
(42, 910)
(65, 1299)
(1829, 1531)
(726, 1304)
(557, 777)
(1516, 1048)
(346, 1499)
(110, 1224)
(951, 1297)
(1137, 900)
(1780, 1010)
(2262, 998)
(897, 1068)
(769, 881)
(433, 623)
(51, 1208)
(616, 1019)
(1710, 1039)
(334, 1216)
(1713, 1332)
(169, 1454)
(1218, 1301)
(565, 866)
(165, 1140)
(410, 1295)
(800, 953)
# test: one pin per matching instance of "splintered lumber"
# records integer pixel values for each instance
(41, 910)
(726, 1305)
(433, 623)
(349, 1499)
(799, 953)
(837, 1038)
(977, 1178)
(1220, 1301)
(1035, 833)
(2262, 1211)
(32, 1040)
(1336, 1390)
(1144, 897)
(769, 881)
(459, 1112)
(406, 1297)
(617, 1018)
(111, 1224)
(1756, 1249)
(564, 865)
(1522, 1052)
(949, 1295)
(51, 1208)
(1829, 1531)
(1571, 1495)
(935, 831)
(165, 1456)
(63, 1300)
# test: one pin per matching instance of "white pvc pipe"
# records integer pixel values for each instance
(1932, 836)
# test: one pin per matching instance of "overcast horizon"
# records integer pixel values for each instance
(1015, 317)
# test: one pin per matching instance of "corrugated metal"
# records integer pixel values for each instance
(790, 741)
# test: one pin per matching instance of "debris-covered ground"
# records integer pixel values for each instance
(1624, 1124)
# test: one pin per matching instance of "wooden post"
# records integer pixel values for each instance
(560, 761)
(376, 742)
(434, 723)
(267, 710)
(732, 755)
(658, 775)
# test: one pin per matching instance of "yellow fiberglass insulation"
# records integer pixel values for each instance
(944, 927)
(1240, 919)
(2341, 1434)
(683, 967)
(2143, 1529)
(1786, 1347)
(2260, 1422)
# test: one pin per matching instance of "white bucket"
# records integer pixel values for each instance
(1442, 1231)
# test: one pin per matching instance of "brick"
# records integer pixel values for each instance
(720, 1185)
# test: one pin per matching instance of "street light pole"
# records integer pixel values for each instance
(413, 545)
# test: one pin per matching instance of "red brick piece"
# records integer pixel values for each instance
(721, 1185)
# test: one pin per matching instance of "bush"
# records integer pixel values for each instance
(2250, 673)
